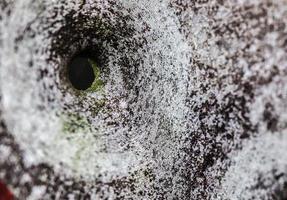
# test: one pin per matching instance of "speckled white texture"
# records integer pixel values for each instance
(165, 118)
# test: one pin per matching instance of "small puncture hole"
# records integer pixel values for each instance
(80, 72)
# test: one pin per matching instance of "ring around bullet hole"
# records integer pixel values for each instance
(80, 71)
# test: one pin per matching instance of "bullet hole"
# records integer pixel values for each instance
(80, 71)
(5, 193)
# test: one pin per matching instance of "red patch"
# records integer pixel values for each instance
(5, 193)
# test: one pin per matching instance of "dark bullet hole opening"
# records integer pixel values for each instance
(80, 71)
